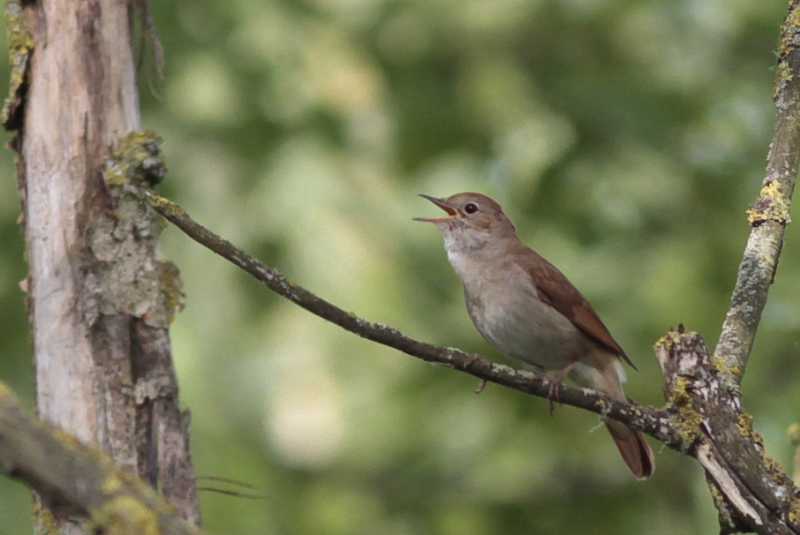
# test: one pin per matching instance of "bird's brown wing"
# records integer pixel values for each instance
(554, 288)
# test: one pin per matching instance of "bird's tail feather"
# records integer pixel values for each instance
(604, 373)
(634, 449)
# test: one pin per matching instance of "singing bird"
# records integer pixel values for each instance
(524, 306)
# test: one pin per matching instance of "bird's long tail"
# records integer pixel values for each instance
(607, 376)
(634, 450)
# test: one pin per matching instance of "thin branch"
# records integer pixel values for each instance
(74, 479)
(769, 214)
(647, 419)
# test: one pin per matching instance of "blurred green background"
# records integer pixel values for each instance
(625, 138)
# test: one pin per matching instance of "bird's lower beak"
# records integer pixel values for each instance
(441, 203)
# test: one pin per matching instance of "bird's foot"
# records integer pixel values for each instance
(554, 389)
(553, 394)
(481, 386)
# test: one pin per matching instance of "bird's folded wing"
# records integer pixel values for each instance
(555, 289)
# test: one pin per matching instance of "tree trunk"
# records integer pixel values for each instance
(100, 301)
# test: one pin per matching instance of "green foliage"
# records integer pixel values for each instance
(626, 140)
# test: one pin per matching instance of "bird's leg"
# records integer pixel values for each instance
(470, 361)
(555, 379)
(481, 386)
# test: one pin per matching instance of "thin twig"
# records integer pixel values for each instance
(647, 419)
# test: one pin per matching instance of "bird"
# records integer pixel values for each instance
(527, 309)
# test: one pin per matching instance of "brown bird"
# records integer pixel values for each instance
(527, 308)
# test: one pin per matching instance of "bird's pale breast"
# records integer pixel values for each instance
(507, 311)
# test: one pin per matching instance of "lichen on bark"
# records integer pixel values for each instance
(773, 204)
(128, 278)
(20, 47)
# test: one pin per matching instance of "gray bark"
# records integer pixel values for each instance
(100, 302)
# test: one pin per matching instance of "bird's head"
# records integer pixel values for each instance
(473, 222)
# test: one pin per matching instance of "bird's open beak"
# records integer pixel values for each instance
(441, 203)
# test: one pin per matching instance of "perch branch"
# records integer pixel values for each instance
(702, 419)
(770, 213)
(647, 419)
(74, 479)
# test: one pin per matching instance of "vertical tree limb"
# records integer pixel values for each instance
(100, 301)
(769, 214)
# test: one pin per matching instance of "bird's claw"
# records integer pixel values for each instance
(554, 394)
(481, 386)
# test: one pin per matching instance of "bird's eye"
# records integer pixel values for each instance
(471, 208)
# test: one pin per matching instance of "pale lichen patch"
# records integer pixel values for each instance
(773, 204)
(164, 205)
(794, 512)
(112, 484)
(789, 41)
(687, 421)
(125, 515)
(722, 365)
(126, 277)
(136, 158)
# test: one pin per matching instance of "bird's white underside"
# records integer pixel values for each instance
(506, 309)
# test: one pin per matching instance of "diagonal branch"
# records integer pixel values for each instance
(769, 214)
(647, 419)
(74, 479)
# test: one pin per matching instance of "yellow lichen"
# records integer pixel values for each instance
(687, 423)
(602, 406)
(722, 366)
(745, 425)
(136, 158)
(164, 205)
(668, 341)
(125, 515)
(783, 76)
(46, 523)
(791, 27)
(171, 290)
(794, 512)
(679, 395)
(687, 420)
(112, 484)
(774, 468)
(772, 205)
(20, 45)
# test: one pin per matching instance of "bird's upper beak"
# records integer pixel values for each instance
(441, 203)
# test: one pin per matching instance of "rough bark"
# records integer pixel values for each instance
(76, 480)
(750, 490)
(100, 302)
(769, 214)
